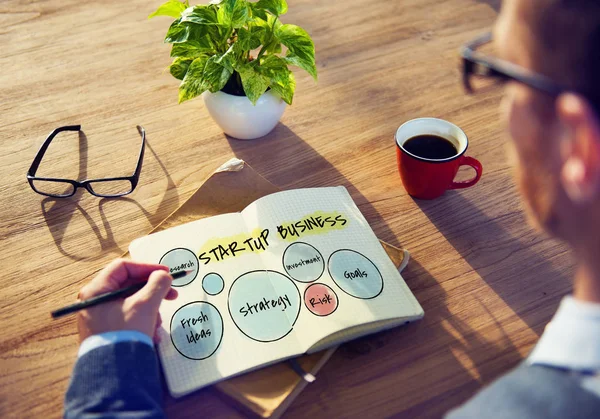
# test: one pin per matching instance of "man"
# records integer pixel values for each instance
(552, 111)
(552, 108)
(116, 374)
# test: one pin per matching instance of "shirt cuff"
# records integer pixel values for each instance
(572, 339)
(110, 338)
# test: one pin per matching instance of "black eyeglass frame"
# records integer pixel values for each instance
(477, 63)
(87, 183)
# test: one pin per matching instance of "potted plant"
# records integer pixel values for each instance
(232, 53)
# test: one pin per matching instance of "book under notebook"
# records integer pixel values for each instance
(294, 272)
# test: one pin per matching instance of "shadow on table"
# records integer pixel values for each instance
(438, 353)
(439, 335)
(459, 356)
(165, 206)
(267, 154)
(501, 260)
(494, 4)
(60, 212)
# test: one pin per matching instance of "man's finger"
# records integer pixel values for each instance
(156, 337)
(155, 290)
(119, 273)
(172, 294)
(121, 270)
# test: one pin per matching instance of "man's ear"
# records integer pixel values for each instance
(580, 150)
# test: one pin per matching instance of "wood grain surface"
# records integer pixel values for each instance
(487, 281)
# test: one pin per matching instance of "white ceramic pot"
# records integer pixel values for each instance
(239, 118)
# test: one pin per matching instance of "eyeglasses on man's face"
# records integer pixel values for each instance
(480, 71)
(63, 188)
(483, 71)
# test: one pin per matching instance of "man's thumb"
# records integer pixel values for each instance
(155, 290)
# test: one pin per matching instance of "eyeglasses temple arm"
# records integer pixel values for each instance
(40, 154)
(479, 41)
(138, 168)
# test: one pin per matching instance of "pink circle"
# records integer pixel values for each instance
(320, 299)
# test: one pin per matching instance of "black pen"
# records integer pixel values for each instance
(109, 296)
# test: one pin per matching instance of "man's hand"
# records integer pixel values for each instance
(136, 312)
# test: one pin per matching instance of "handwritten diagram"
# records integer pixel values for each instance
(320, 299)
(181, 260)
(355, 274)
(264, 305)
(303, 262)
(213, 283)
(292, 273)
(197, 330)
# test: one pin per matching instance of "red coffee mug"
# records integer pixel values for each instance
(429, 178)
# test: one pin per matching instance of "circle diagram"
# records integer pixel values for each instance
(355, 274)
(320, 299)
(264, 305)
(178, 260)
(213, 283)
(303, 262)
(197, 330)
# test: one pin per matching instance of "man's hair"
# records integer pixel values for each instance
(567, 33)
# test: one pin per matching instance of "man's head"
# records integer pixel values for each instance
(557, 140)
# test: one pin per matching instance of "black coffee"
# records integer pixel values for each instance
(430, 147)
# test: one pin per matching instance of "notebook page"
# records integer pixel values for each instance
(321, 242)
(357, 331)
(201, 342)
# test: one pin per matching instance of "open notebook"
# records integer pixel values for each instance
(294, 272)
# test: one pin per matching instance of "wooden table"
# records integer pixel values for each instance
(487, 281)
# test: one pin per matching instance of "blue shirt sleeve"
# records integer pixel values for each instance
(115, 377)
(110, 338)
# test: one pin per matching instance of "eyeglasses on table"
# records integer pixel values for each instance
(110, 187)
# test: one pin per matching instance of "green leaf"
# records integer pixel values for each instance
(233, 13)
(202, 20)
(171, 8)
(254, 83)
(215, 1)
(228, 59)
(257, 12)
(215, 75)
(277, 7)
(274, 48)
(179, 67)
(250, 39)
(177, 32)
(192, 48)
(270, 41)
(307, 65)
(193, 83)
(201, 15)
(301, 50)
(272, 62)
(281, 79)
(273, 22)
(183, 31)
(285, 89)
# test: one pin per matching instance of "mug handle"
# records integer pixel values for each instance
(469, 161)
